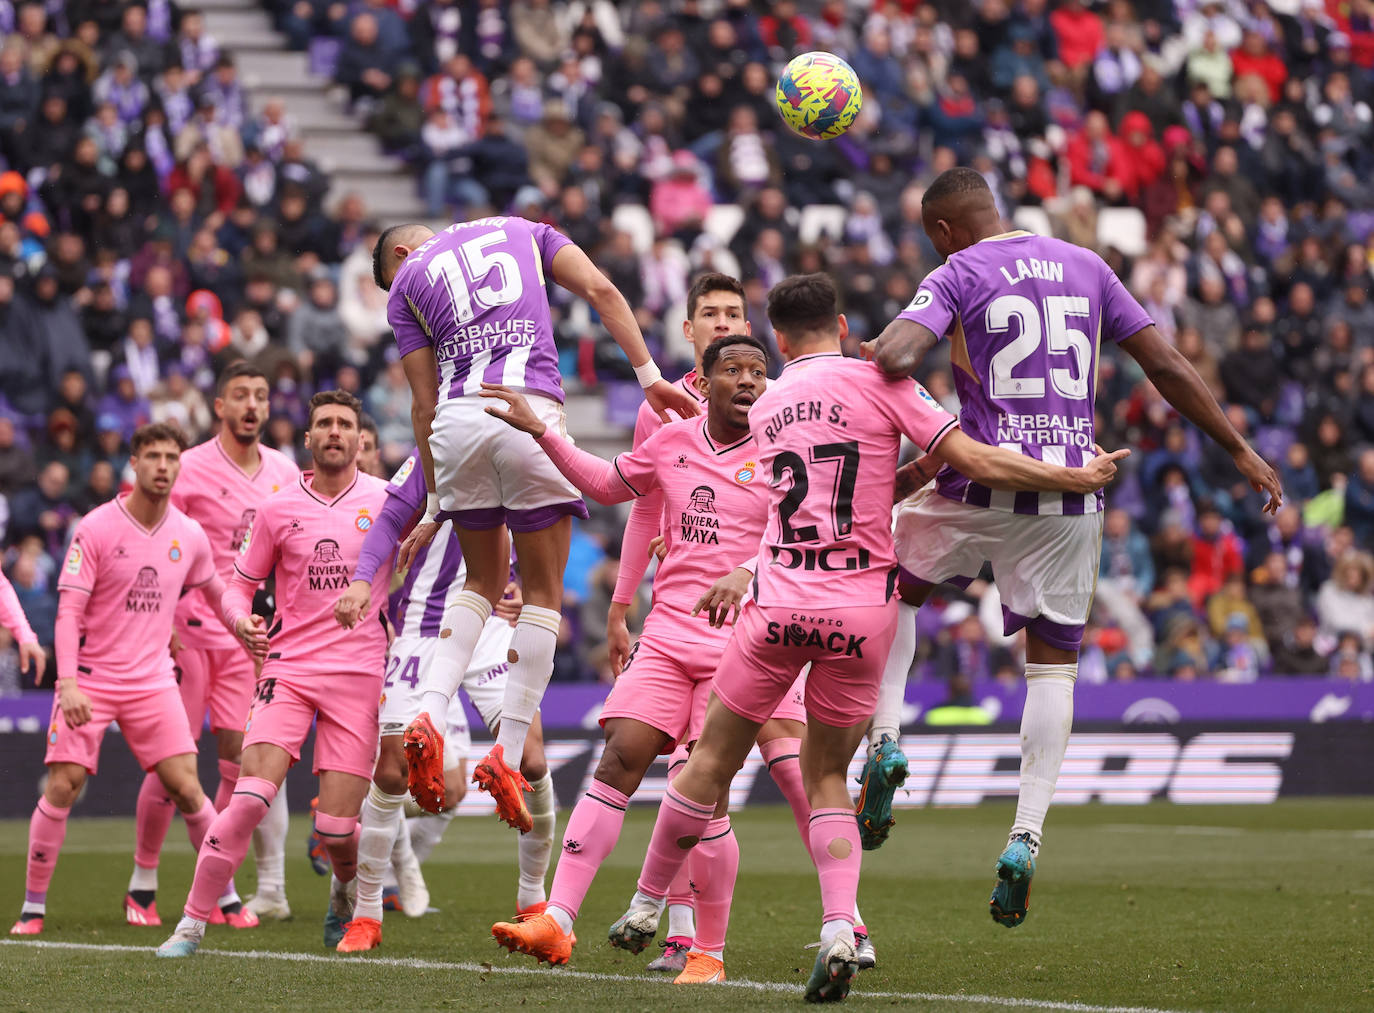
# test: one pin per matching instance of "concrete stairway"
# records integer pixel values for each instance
(332, 136)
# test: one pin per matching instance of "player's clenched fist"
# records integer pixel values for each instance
(353, 603)
(252, 633)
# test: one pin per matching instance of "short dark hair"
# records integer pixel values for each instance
(156, 432)
(954, 183)
(367, 424)
(804, 303)
(711, 356)
(712, 281)
(235, 370)
(340, 397)
(379, 251)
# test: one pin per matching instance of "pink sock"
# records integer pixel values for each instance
(152, 818)
(198, 822)
(340, 837)
(47, 831)
(592, 832)
(783, 757)
(680, 892)
(226, 842)
(715, 862)
(228, 777)
(835, 849)
(681, 823)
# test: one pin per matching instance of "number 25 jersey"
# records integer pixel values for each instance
(1026, 315)
(828, 433)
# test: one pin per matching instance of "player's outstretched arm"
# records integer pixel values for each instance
(1176, 379)
(901, 347)
(1001, 469)
(574, 270)
(592, 476)
(71, 610)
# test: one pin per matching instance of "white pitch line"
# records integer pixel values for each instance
(561, 973)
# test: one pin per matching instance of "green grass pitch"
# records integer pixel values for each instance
(1154, 908)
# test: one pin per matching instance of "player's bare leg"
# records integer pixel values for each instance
(591, 835)
(543, 556)
(1046, 722)
(226, 843)
(486, 554)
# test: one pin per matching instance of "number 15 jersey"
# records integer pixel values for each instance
(828, 433)
(476, 293)
(1026, 315)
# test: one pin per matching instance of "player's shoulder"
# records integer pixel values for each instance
(186, 522)
(98, 518)
(280, 463)
(371, 486)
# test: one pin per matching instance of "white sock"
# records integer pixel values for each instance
(682, 921)
(463, 622)
(230, 896)
(531, 648)
(34, 907)
(839, 928)
(426, 832)
(1045, 725)
(194, 924)
(644, 902)
(564, 920)
(269, 846)
(718, 954)
(143, 879)
(887, 717)
(858, 918)
(536, 847)
(380, 818)
(400, 848)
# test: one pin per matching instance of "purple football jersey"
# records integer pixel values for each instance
(1025, 315)
(476, 293)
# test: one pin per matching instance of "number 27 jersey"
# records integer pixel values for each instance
(1026, 315)
(828, 433)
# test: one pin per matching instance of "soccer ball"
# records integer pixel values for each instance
(819, 96)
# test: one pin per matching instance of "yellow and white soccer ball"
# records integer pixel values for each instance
(819, 96)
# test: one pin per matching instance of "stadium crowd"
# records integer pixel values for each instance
(154, 225)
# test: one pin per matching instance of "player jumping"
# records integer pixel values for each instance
(469, 305)
(1028, 314)
(828, 432)
(310, 534)
(434, 579)
(130, 561)
(221, 484)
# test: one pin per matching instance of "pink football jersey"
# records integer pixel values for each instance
(714, 506)
(313, 544)
(828, 431)
(223, 499)
(134, 577)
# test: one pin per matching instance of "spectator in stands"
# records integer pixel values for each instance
(366, 64)
(44, 510)
(1345, 603)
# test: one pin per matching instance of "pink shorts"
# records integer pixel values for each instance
(344, 709)
(220, 679)
(847, 649)
(666, 685)
(793, 706)
(151, 719)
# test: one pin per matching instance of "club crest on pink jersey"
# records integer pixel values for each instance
(174, 553)
(363, 520)
(746, 474)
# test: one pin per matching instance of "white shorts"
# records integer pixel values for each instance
(489, 473)
(1045, 565)
(484, 682)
